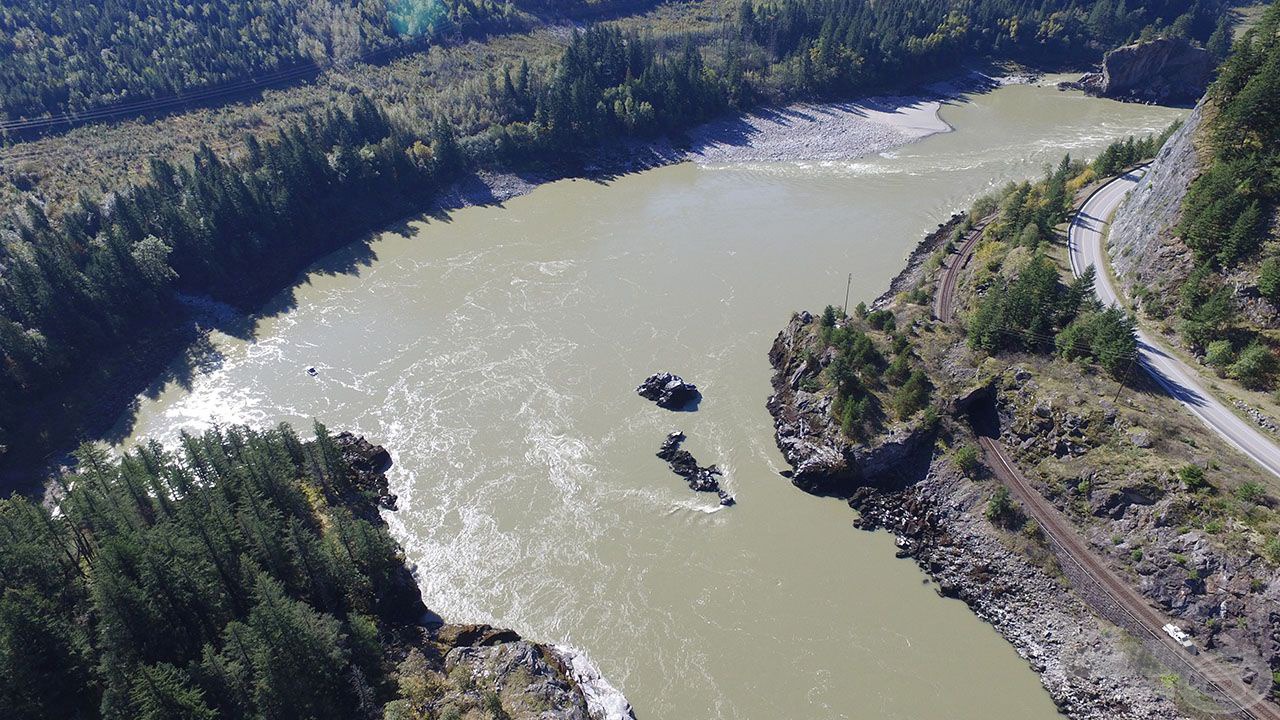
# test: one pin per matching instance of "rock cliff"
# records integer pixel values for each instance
(1165, 70)
(1148, 259)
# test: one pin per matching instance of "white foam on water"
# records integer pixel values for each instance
(604, 701)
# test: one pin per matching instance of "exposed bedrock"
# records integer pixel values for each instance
(1165, 71)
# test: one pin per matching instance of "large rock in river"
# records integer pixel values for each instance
(669, 391)
(1164, 70)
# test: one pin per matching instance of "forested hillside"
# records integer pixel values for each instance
(77, 290)
(60, 56)
(66, 57)
(246, 577)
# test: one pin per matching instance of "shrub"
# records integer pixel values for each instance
(1269, 279)
(1219, 354)
(1256, 366)
(1192, 477)
(882, 320)
(1251, 492)
(1000, 508)
(966, 458)
(898, 371)
(1106, 337)
(1271, 549)
(829, 317)
(855, 416)
(912, 396)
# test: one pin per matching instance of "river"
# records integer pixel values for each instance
(495, 351)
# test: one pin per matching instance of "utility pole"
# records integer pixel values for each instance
(847, 285)
(1128, 373)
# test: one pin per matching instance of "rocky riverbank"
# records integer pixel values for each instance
(898, 482)
(914, 271)
(473, 668)
(1088, 672)
(824, 460)
(799, 132)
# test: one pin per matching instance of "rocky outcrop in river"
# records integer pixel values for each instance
(682, 462)
(1167, 71)
(669, 391)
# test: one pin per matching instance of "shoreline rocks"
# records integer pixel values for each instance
(824, 461)
(898, 482)
(670, 391)
(1088, 674)
(682, 463)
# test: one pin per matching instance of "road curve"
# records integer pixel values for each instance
(1084, 246)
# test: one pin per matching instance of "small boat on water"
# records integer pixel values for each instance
(312, 371)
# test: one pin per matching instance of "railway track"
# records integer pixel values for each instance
(944, 300)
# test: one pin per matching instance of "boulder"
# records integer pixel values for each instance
(1164, 70)
(474, 635)
(669, 391)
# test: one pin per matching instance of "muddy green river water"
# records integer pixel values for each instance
(495, 352)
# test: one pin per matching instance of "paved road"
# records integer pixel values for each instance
(1084, 245)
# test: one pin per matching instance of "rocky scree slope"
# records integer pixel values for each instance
(1148, 259)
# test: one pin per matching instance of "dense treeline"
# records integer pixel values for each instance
(80, 289)
(839, 45)
(1028, 308)
(1227, 207)
(62, 56)
(863, 381)
(230, 581)
(75, 291)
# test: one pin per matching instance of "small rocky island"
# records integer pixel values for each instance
(682, 462)
(670, 391)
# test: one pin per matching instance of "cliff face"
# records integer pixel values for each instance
(1144, 251)
(1164, 70)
